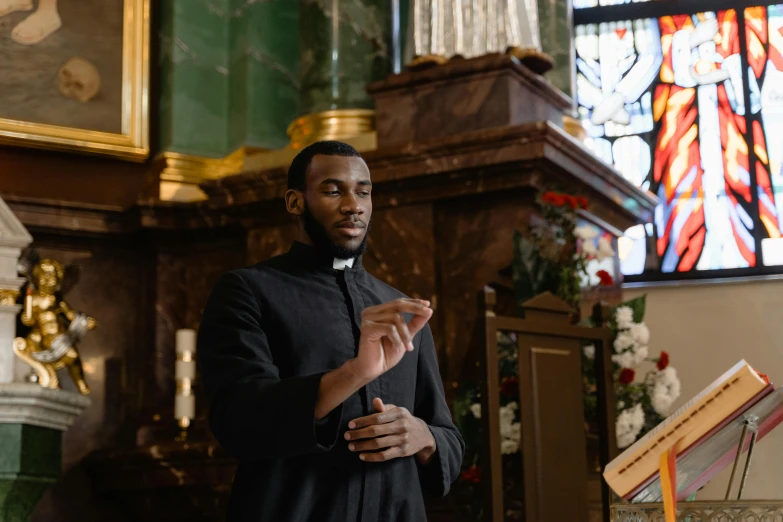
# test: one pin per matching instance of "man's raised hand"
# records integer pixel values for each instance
(385, 336)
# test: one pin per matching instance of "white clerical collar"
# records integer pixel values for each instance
(340, 264)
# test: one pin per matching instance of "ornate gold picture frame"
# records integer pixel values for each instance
(78, 76)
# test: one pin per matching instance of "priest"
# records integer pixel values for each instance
(323, 380)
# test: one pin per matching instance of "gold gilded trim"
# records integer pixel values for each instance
(355, 127)
(132, 142)
(574, 127)
(338, 124)
(534, 59)
(8, 297)
(180, 173)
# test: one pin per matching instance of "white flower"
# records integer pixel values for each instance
(588, 249)
(516, 432)
(507, 412)
(605, 249)
(585, 232)
(665, 391)
(624, 341)
(506, 429)
(631, 358)
(589, 351)
(508, 447)
(640, 333)
(625, 359)
(624, 317)
(629, 423)
(475, 409)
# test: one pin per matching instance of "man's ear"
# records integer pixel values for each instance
(294, 202)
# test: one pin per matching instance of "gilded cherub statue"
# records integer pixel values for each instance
(53, 329)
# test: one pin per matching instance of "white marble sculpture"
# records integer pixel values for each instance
(441, 29)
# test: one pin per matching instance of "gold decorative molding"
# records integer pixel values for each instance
(355, 127)
(427, 60)
(338, 124)
(534, 59)
(8, 297)
(574, 127)
(180, 174)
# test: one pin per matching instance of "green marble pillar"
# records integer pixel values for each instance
(555, 18)
(272, 71)
(344, 45)
(228, 75)
(30, 460)
(194, 77)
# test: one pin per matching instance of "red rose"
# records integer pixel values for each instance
(510, 386)
(663, 361)
(627, 376)
(582, 201)
(472, 474)
(605, 278)
(552, 198)
(571, 201)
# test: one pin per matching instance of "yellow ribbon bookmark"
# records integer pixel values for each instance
(668, 474)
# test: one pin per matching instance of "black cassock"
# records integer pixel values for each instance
(268, 334)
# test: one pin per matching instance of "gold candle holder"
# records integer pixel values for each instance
(185, 374)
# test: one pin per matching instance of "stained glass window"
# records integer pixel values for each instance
(664, 100)
(764, 37)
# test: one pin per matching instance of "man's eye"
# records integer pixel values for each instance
(332, 192)
(365, 193)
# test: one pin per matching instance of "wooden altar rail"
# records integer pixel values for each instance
(553, 446)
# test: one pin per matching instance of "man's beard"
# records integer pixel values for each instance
(321, 240)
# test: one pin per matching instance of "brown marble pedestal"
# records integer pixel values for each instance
(463, 95)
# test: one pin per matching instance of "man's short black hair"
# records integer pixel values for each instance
(297, 172)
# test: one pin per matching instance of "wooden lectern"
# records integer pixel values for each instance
(554, 446)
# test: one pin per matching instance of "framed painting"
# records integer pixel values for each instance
(76, 75)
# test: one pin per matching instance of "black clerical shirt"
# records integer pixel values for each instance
(268, 334)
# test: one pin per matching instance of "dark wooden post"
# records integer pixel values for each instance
(492, 481)
(607, 409)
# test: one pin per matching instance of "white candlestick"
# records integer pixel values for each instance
(186, 340)
(185, 373)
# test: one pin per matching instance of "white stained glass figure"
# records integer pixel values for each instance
(632, 250)
(441, 29)
(632, 157)
(637, 50)
(583, 4)
(696, 63)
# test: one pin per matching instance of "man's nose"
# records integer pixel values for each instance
(351, 205)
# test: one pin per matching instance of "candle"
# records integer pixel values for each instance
(186, 340)
(185, 374)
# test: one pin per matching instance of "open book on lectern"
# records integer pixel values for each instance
(707, 432)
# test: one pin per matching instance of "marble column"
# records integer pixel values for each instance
(229, 84)
(32, 420)
(272, 57)
(344, 45)
(555, 19)
(13, 239)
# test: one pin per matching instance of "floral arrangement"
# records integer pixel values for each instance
(466, 497)
(641, 405)
(556, 255)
